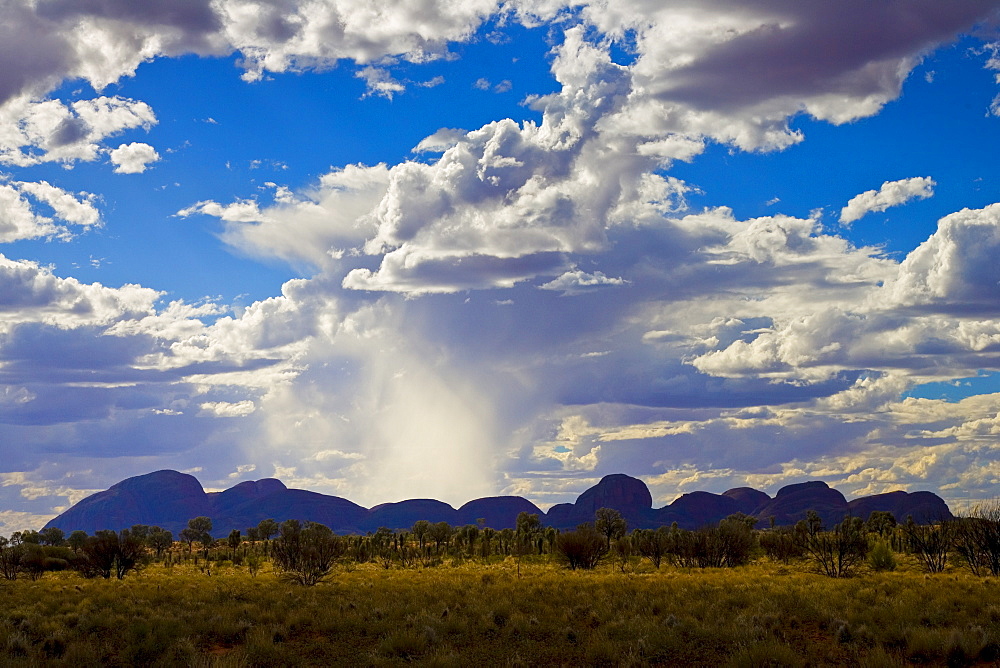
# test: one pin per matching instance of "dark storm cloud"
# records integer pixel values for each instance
(32, 351)
(62, 376)
(811, 48)
(55, 404)
(195, 16)
(757, 448)
(670, 384)
(69, 131)
(30, 52)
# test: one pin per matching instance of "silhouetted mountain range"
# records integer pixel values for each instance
(169, 499)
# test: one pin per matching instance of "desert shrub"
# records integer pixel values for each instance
(106, 553)
(622, 550)
(977, 539)
(583, 548)
(835, 553)
(731, 543)
(306, 555)
(254, 563)
(97, 555)
(780, 545)
(652, 544)
(931, 543)
(881, 557)
(10, 559)
(33, 561)
(263, 647)
(683, 547)
(36, 560)
(733, 539)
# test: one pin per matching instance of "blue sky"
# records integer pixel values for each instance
(419, 249)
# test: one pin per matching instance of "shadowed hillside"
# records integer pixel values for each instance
(169, 499)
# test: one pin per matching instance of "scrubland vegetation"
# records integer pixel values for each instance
(862, 593)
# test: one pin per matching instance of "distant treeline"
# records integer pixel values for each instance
(308, 552)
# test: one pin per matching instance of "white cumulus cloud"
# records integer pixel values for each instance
(133, 158)
(38, 131)
(20, 217)
(892, 193)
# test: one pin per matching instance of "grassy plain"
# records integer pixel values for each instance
(485, 615)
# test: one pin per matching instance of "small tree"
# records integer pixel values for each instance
(609, 523)
(527, 524)
(200, 529)
(621, 554)
(306, 554)
(440, 533)
(31, 537)
(267, 528)
(652, 544)
(505, 539)
(52, 536)
(159, 540)
(98, 555)
(106, 553)
(189, 536)
(527, 528)
(76, 540)
(382, 546)
(10, 558)
(486, 542)
(472, 532)
(881, 523)
(131, 551)
(583, 548)
(140, 531)
(234, 540)
(420, 530)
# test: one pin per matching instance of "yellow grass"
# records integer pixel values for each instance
(479, 614)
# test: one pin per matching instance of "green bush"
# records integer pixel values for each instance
(583, 548)
(881, 557)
